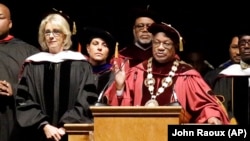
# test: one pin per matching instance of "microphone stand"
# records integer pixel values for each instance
(98, 102)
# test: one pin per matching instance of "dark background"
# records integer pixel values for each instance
(205, 25)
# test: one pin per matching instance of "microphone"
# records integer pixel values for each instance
(99, 100)
(208, 64)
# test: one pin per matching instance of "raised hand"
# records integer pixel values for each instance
(120, 73)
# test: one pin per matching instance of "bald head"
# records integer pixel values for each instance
(5, 21)
(5, 11)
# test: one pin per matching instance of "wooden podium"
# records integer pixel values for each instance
(80, 132)
(131, 123)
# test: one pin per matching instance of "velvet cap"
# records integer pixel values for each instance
(92, 32)
(170, 31)
(88, 33)
(145, 13)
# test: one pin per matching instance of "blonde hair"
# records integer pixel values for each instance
(62, 24)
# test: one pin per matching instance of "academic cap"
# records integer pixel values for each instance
(144, 12)
(88, 33)
(170, 31)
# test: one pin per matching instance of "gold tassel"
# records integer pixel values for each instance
(79, 47)
(116, 50)
(74, 28)
(180, 38)
(181, 44)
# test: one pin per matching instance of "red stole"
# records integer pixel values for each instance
(7, 39)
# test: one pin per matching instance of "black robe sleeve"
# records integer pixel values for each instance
(87, 96)
(28, 111)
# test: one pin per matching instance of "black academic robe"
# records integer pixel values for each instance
(12, 55)
(54, 93)
(211, 76)
(233, 83)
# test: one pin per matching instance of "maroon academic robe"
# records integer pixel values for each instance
(135, 54)
(191, 91)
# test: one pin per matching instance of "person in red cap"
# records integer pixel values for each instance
(164, 79)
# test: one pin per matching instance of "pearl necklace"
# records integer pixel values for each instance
(166, 82)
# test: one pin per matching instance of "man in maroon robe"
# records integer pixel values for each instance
(140, 49)
(164, 79)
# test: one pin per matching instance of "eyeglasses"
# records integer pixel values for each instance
(243, 43)
(166, 45)
(55, 33)
(141, 26)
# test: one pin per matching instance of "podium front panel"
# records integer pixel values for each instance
(134, 123)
